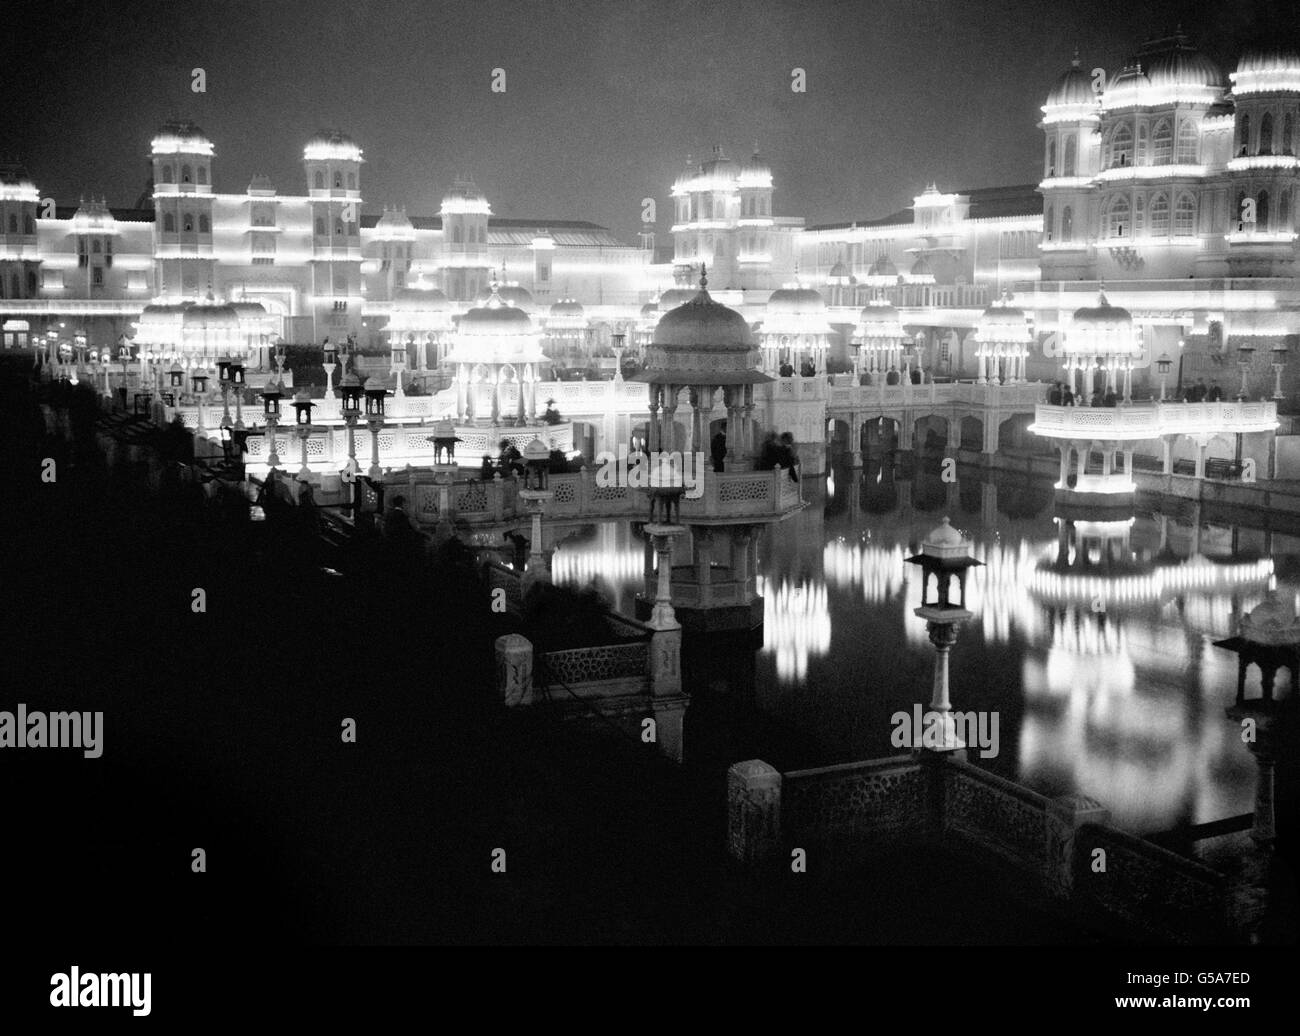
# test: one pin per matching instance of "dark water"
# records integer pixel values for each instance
(1102, 672)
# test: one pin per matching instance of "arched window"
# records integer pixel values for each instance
(1117, 218)
(1071, 155)
(338, 228)
(187, 174)
(167, 173)
(31, 284)
(13, 223)
(1067, 223)
(203, 174)
(320, 227)
(318, 181)
(95, 246)
(1288, 135)
(1160, 215)
(205, 225)
(1049, 223)
(1284, 211)
(187, 222)
(1239, 213)
(1261, 211)
(1185, 216)
(1266, 134)
(338, 179)
(1187, 141)
(1162, 143)
(1243, 142)
(1051, 156)
(1121, 146)
(1142, 145)
(456, 234)
(169, 223)
(352, 181)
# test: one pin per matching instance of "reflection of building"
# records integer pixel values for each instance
(796, 626)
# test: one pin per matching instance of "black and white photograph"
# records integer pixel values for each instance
(654, 475)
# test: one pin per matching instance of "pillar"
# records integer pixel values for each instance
(1202, 447)
(753, 812)
(1065, 465)
(514, 660)
(1082, 451)
(1167, 464)
(1128, 461)
(943, 635)
(1065, 817)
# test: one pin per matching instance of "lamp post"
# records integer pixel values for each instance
(271, 411)
(302, 406)
(375, 392)
(350, 393)
(176, 380)
(1279, 361)
(1245, 356)
(944, 554)
(199, 385)
(1163, 365)
(237, 385)
(536, 493)
(223, 378)
(331, 361)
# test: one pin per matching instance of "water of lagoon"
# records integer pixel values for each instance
(1104, 679)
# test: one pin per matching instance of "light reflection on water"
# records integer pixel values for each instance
(1097, 658)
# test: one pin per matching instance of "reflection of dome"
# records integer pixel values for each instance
(1073, 86)
(702, 342)
(1273, 622)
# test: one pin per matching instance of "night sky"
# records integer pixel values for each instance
(604, 98)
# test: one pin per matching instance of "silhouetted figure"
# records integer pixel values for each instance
(892, 377)
(1215, 394)
(1111, 398)
(520, 544)
(1055, 396)
(769, 453)
(789, 459)
(718, 447)
(487, 469)
(786, 370)
(806, 369)
(916, 376)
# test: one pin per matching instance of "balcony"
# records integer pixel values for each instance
(1138, 421)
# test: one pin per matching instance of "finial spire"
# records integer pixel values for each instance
(704, 280)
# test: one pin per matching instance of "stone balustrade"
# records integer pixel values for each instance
(1152, 420)
(895, 397)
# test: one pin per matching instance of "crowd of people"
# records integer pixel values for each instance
(1061, 394)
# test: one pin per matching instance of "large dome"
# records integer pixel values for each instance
(495, 319)
(496, 333)
(1003, 322)
(180, 136)
(331, 144)
(1101, 330)
(880, 320)
(1179, 64)
(1128, 87)
(702, 342)
(1073, 86)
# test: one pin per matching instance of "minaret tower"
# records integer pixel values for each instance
(1071, 118)
(184, 267)
(754, 229)
(332, 162)
(465, 263)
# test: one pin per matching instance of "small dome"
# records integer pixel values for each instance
(880, 320)
(537, 451)
(796, 301)
(211, 316)
(1100, 330)
(464, 196)
(350, 380)
(444, 429)
(261, 184)
(1127, 87)
(302, 396)
(840, 275)
(180, 136)
(1072, 87)
(375, 384)
(495, 317)
(333, 144)
(1102, 315)
(944, 542)
(883, 272)
(567, 307)
(421, 299)
(1267, 69)
(394, 225)
(674, 297)
(93, 217)
(719, 166)
(755, 172)
(1003, 322)
(921, 272)
(12, 174)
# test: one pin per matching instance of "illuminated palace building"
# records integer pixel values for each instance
(1165, 182)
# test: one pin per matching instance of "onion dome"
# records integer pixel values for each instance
(1174, 63)
(755, 172)
(180, 137)
(253, 318)
(1273, 69)
(1101, 330)
(943, 541)
(394, 225)
(1004, 323)
(418, 309)
(15, 184)
(880, 321)
(332, 144)
(1073, 87)
(161, 325)
(921, 272)
(1127, 88)
(464, 196)
(1274, 622)
(702, 342)
(350, 380)
(566, 315)
(93, 217)
(883, 273)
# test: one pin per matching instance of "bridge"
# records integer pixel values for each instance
(958, 406)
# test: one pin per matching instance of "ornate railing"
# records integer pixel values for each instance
(594, 664)
(1135, 421)
(852, 397)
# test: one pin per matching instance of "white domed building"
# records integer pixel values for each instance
(1100, 349)
(1004, 337)
(496, 354)
(879, 337)
(567, 339)
(420, 326)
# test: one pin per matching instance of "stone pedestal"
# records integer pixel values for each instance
(753, 812)
(514, 659)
